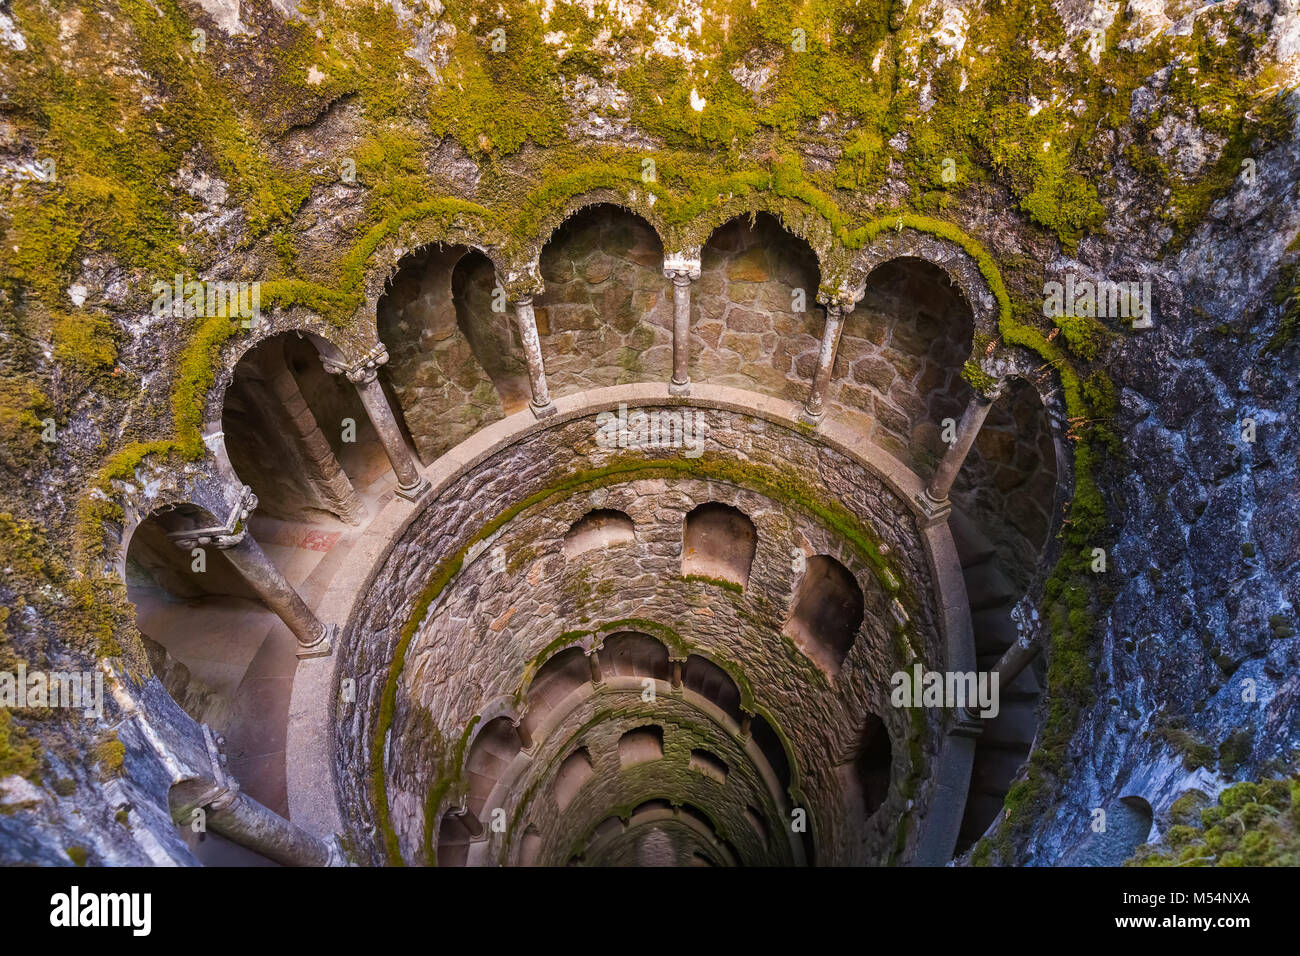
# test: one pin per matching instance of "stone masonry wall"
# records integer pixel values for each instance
(606, 317)
(456, 676)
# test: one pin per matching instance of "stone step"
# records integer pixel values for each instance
(987, 587)
(994, 769)
(1014, 726)
(994, 630)
(972, 546)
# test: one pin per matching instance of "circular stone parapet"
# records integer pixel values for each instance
(467, 595)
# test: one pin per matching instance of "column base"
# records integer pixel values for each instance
(542, 411)
(966, 724)
(935, 512)
(679, 388)
(322, 648)
(415, 492)
(810, 417)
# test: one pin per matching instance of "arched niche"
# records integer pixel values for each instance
(605, 317)
(561, 674)
(571, 775)
(755, 322)
(866, 777)
(713, 684)
(898, 367)
(222, 655)
(827, 612)
(455, 360)
(718, 542)
(299, 436)
(488, 761)
(601, 528)
(641, 745)
(633, 654)
(708, 764)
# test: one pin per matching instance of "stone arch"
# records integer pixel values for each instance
(898, 367)
(563, 672)
(797, 219)
(826, 613)
(488, 761)
(961, 266)
(530, 846)
(773, 748)
(604, 316)
(455, 362)
(221, 654)
(708, 764)
(541, 230)
(755, 322)
(286, 421)
(598, 529)
(718, 541)
(330, 342)
(713, 684)
(634, 654)
(454, 838)
(866, 777)
(187, 655)
(468, 227)
(484, 320)
(1010, 482)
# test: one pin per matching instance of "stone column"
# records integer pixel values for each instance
(472, 823)
(540, 403)
(325, 475)
(241, 819)
(683, 269)
(364, 374)
(1014, 660)
(813, 409)
(593, 661)
(261, 574)
(746, 723)
(934, 500)
(676, 679)
(525, 738)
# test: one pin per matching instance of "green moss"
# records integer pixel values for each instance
(1196, 752)
(19, 753)
(716, 582)
(109, 756)
(1253, 824)
(978, 379)
(77, 854)
(65, 786)
(1235, 750)
(1287, 295)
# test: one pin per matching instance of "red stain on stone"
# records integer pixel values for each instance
(319, 540)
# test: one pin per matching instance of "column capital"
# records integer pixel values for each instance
(221, 536)
(986, 393)
(522, 281)
(682, 267)
(843, 299)
(361, 372)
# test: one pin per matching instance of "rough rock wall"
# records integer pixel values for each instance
(1197, 674)
(229, 166)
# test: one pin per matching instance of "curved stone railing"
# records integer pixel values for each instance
(315, 687)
